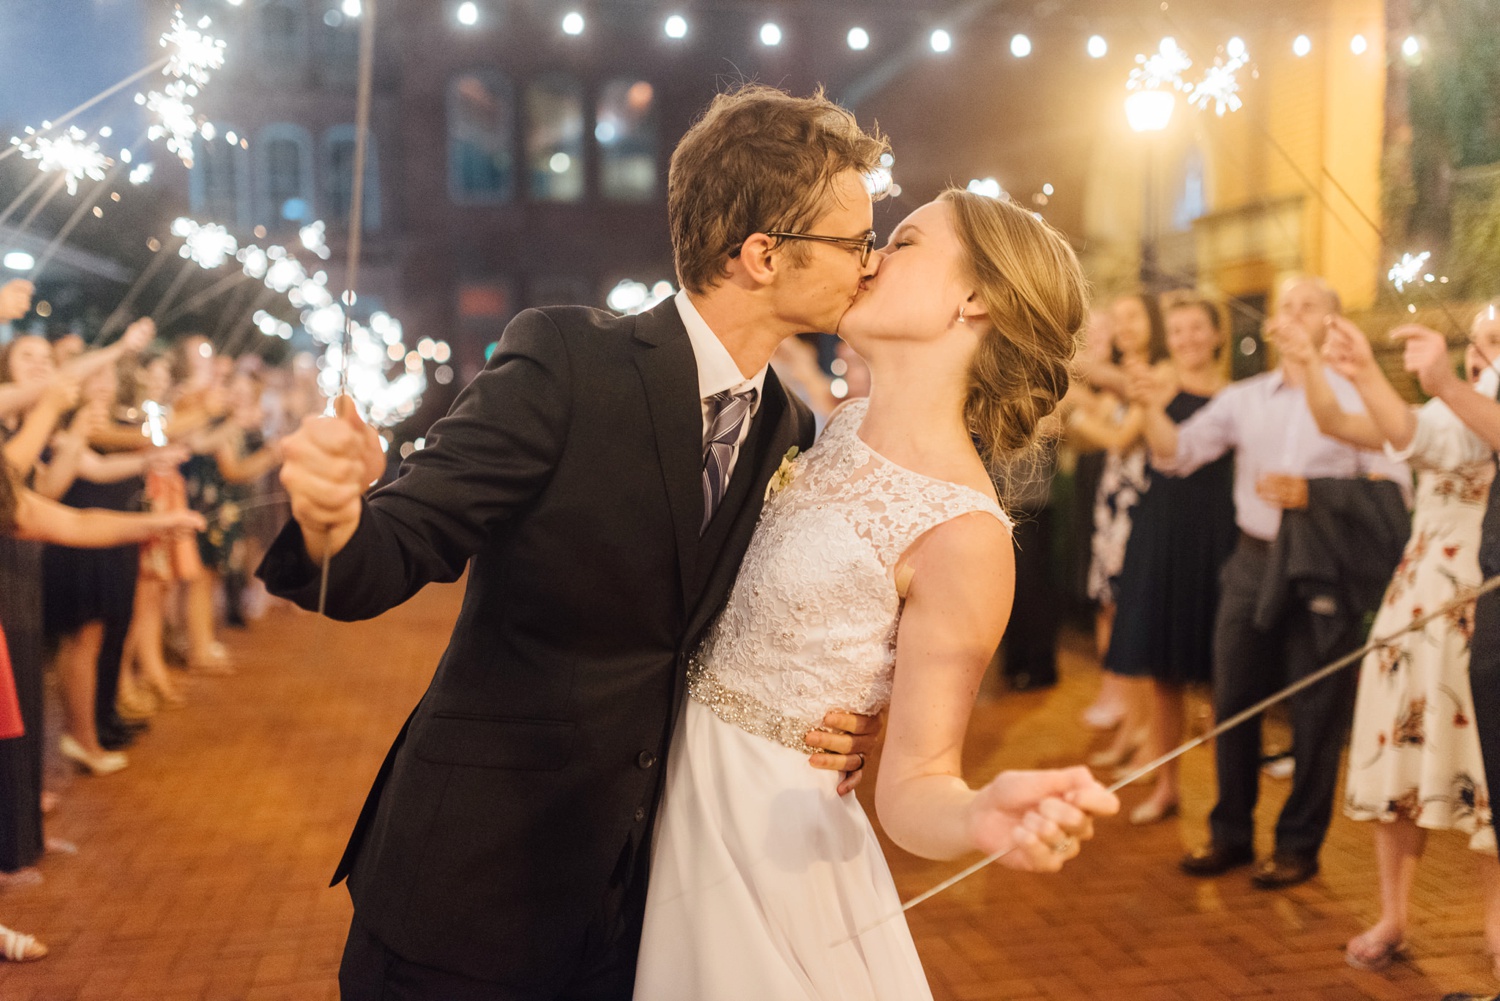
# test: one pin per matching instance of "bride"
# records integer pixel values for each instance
(880, 576)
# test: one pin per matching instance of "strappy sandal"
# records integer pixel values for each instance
(18, 948)
(1374, 962)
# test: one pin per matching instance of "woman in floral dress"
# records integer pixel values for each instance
(1414, 759)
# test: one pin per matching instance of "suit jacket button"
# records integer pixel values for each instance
(640, 814)
(645, 759)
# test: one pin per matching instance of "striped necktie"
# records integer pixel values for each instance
(731, 411)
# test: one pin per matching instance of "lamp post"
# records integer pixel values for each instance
(1149, 111)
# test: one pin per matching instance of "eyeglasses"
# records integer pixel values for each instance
(864, 244)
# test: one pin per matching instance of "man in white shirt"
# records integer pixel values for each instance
(1265, 420)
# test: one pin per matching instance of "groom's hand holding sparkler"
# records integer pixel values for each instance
(329, 462)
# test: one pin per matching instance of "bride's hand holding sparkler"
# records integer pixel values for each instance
(328, 463)
(1039, 818)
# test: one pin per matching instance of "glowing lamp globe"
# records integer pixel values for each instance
(1150, 110)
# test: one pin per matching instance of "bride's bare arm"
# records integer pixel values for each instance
(961, 583)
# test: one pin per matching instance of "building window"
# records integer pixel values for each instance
(554, 138)
(625, 127)
(284, 175)
(218, 185)
(481, 123)
(339, 43)
(283, 33)
(338, 174)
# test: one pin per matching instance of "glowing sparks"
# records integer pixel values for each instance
(1408, 270)
(175, 119)
(314, 237)
(71, 154)
(209, 246)
(1163, 68)
(253, 261)
(141, 173)
(1219, 86)
(193, 53)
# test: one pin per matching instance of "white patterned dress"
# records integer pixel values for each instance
(761, 874)
(1413, 750)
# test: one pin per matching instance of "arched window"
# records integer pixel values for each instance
(219, 183)
(554, 138)
(283, 33)
(481, 124)
(284, 175)
(338, 178)
(625, 127)
(1191, 199)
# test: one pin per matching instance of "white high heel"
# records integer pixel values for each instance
(106, 763)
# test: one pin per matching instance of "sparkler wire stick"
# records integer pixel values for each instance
(26, 192)
(116, 319)
(200, 298)
(1326, 671)
(83, 207)
(107, 92)
(356, 221)
(171, 293)
(36, 210)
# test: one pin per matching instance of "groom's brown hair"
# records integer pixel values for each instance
(759, 159)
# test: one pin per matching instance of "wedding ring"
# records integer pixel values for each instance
(1064, 846)
(860, 755)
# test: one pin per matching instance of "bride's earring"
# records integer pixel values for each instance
(961, 314)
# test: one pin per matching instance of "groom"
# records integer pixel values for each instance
(600, 480)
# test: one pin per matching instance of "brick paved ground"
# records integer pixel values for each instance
(203, 867)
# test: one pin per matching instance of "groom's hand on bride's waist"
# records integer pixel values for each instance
(844, 745)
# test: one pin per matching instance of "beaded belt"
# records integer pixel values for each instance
(749, 713)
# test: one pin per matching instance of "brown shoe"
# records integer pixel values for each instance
(1284, 869)
(1215, 859)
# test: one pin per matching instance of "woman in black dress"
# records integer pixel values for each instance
(1183, 531)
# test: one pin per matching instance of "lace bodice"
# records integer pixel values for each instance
(811, 621)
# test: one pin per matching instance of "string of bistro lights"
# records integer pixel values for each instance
(772, 34)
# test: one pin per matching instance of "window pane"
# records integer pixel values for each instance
(284, 181)
(626, 131)
(554, 139)
(481, 119)
(340, 182)
(217, 163)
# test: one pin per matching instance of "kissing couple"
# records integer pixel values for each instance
(630, 774)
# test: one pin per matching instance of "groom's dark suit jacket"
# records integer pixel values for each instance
(568, 478)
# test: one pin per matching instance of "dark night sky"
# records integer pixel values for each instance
(54, 54)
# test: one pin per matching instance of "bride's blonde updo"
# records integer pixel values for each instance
(1036, 300)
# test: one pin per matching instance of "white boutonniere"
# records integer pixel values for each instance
(784, 475)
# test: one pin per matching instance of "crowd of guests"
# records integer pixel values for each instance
(1240, 536)
(1244, 534)
(136, 494)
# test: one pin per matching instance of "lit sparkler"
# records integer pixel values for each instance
(314, 237)
(141, 173)
(1163, 68)
(1219, 86)
(176, 122)
(1408, 270)
(71, 154)
(208, 246)
(193, 52)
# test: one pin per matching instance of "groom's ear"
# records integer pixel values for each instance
(756, 259)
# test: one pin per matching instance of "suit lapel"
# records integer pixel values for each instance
(775, 431)
(669, 372)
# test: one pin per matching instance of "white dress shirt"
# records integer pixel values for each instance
(717, 372)
(1271, 429)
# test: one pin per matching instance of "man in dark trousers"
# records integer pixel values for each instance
(1428, 358)
(600, 480)
(1266, 421)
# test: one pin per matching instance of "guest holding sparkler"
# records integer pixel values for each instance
(1266, 422)
(1110, 422)
(1183, 532)
(1414, 758)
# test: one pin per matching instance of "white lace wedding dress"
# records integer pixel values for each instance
(761, 873)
